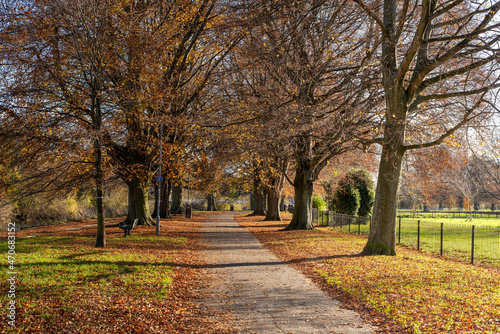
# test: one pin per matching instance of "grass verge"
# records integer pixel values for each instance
(139, 284)
(420, 293)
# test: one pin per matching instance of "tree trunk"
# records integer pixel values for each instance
(282, 203)
(382, 237)
(304, 187)
(176, 198)
(165, 198)
(259, 196)
(252, 201)
(99, 174)
(260, 204)
(138, 206)
(273, 205)
(211, 202)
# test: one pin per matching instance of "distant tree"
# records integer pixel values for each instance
(318, 202)
(317, 90)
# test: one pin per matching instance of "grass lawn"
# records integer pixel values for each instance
(139, 284)
(419, 292)
(457, 235)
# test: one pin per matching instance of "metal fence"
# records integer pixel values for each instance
(464, 242)
(341, 222)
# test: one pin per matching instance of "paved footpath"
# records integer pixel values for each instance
(264, 294)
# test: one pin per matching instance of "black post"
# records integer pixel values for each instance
(418, 235)
(441, 239)
(472, 248)
(399, 232)
(359, 226)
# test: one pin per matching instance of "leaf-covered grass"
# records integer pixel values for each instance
(139, 284)
(419, 292)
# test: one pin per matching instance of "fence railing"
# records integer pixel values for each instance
(464, 242)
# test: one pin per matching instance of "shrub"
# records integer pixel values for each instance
(346, 198)
(354, 194)
(364, 184)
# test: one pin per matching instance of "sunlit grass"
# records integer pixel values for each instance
(57, 275)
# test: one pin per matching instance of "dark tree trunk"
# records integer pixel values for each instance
(260, 204)
(211, 202)
(273, 206)
(165, 198)
(304, 187)
(99, 174)
(176, 198)
(138, 207)
(259, 195)
(252, 201)
(165, 203)
(282, 203)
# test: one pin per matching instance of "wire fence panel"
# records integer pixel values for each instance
(463, 242)
(487, 245)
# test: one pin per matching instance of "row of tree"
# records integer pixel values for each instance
(274, 90)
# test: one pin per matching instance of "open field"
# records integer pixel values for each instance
(420, 292)
(138, 284)
(481, 218)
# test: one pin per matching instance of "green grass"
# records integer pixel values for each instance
(487, 219)
(61, 275)
(457, 240)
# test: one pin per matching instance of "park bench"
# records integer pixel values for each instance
(127, 226)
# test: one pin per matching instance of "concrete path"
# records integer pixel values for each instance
(264, 294)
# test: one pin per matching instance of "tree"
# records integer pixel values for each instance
(438, 63)
(167, 53)
(317, 80)
(61, 99)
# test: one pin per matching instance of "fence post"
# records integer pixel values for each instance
(441, 239)
(472, 248)
(359, 226)
(418, 235)
(399, 232)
